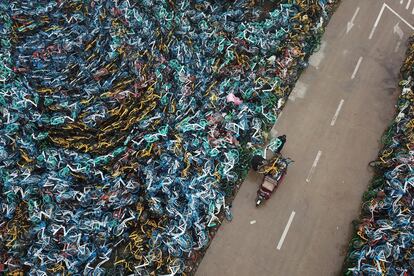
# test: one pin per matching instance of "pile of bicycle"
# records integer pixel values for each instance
(125, 125)
(384, 239)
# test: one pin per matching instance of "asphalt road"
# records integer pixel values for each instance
(322, 191)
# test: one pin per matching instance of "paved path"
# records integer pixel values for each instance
(340, 107)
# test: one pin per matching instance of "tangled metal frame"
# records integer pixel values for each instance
(125, 125)
(383, 242)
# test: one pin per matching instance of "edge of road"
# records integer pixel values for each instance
(221, 216)
(375, 172)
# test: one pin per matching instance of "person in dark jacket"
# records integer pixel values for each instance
(282, 139)
(257, 162)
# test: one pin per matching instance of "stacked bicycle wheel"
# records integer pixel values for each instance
(124, 124)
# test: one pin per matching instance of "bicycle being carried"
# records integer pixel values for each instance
(273, 169)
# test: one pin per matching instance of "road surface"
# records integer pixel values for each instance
(334, 120)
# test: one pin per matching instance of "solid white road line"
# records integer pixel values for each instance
(356, 68)
(337, 112)
(379, 17)
(412, 12)
(282, 238)
(376, 21)
(402, 1)
(408, 4)
(399, 16)
(315, 163)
